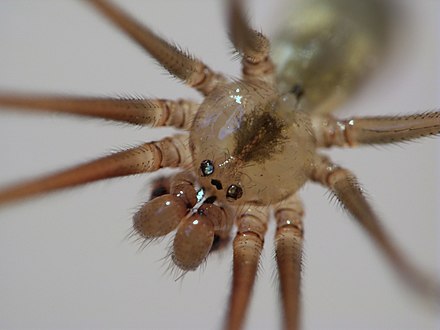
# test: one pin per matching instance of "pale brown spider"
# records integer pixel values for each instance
(89, 223)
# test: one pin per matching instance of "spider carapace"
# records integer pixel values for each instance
(250, 145)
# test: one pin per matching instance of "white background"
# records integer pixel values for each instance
(64, 262)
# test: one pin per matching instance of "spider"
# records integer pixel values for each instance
(101, 226)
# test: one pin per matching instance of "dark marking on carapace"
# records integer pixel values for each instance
(217, 184)
(259, 137)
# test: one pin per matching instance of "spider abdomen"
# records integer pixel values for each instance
(326, 48)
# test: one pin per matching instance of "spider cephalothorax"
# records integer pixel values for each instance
(258, 148)
(249, 147)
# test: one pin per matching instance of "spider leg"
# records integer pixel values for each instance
(154, 113)
(178, 63)
(248, 244)
(253, 46)
(288, 247)
(148, 157)
(373, 130)
(345, 187)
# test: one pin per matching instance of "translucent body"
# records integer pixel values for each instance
(255, 134)
(240, 247)
(255, 139)
(327, 47)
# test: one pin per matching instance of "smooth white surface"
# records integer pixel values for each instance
(64, 262)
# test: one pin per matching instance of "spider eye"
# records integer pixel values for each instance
(234, 192)
(207, 167)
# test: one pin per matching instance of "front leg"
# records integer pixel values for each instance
(148, 157)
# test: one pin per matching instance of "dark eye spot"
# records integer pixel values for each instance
(298, 90)
(217, 184)
(234, 192)
(207, 167)
(210, 200)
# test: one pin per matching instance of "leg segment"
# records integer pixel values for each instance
(155, 113)
(252, 45)
(248, 244)
(331, 132)
(345, 187)
(288, 247)
(177, 62)
(148, 157)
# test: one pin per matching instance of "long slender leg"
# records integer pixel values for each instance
(154, 113)
(330, 131)
(345, 187)
(248, 244)
(252, 45)
(177, 62)
(148, 157)
(288, 247)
